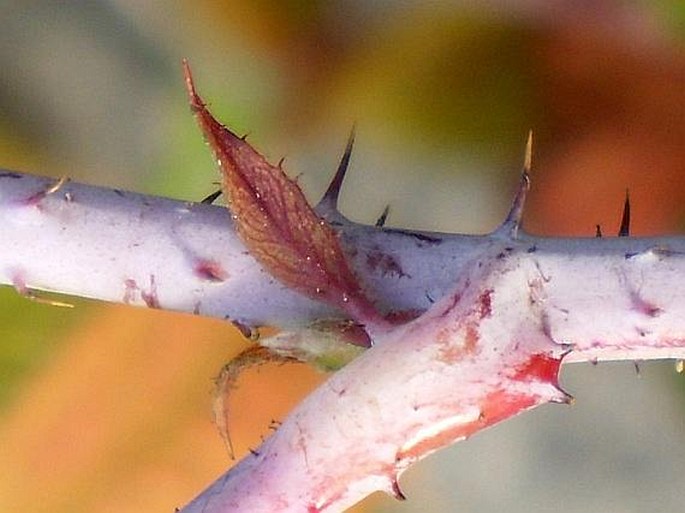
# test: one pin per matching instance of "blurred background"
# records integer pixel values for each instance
(108, 408)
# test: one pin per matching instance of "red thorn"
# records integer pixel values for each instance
(397, 491)
(380, 222)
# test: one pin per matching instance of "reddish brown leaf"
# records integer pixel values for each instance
(277, 224)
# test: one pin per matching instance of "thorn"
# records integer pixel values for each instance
(397, 491)
(624, 230)
(211, 198)
(280, 163)
(510, 227)
(249, 332)
(636, 364)
(57, 185)
(38, 196)
(380, 222)
(563, 398)
(330, 197)
(598, 231)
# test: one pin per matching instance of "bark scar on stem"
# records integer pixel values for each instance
(385, 264)
(130, 291)
(203, 267)
(210, 270)
(637, 301)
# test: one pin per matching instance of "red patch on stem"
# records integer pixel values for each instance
(501, 405)
(645, 307)
(540, 367)
(451, 351)
(495, 407)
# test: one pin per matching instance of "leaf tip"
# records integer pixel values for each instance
(277, 224)
(196, 102)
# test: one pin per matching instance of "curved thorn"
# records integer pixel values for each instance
(57, 185)
(211, 198)
(624, 230)
(510, 226)
(380, 222)
(40, 195)
(225, 382)
(330, 197)
(397, 491)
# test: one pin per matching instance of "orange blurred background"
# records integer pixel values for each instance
(108, 408)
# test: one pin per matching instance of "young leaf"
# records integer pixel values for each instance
(277, 224)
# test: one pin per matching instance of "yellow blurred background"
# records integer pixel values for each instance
(108, 408)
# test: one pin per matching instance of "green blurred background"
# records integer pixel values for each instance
(107, 408)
